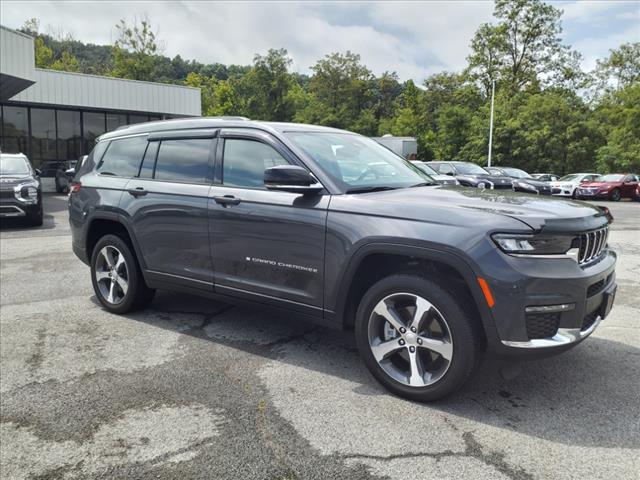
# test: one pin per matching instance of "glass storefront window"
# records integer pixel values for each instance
(15, 130)
(43, 135)
(138, 119)
(69, 138)
(115, 120)
(93, 124)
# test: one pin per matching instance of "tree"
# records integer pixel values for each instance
(340, 82)
(134, 51)
(620, 69)
(619, 116)
(524, 49)
(266, 85)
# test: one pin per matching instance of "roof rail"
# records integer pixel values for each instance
(231, 117)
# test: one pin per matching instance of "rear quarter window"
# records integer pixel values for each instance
(123, 157)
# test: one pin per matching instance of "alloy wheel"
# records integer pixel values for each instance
(112, 275)
(410, 339)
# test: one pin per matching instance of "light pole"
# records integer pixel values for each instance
(493, 92)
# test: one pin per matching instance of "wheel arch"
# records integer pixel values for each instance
(373, 262)
(104, 223)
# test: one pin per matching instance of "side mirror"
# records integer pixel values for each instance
(450, 174)
(71, 172)
(38, 172)
(291, 178)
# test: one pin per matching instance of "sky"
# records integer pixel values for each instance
(415, 39)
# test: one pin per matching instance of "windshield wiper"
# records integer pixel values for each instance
(378, 188)
(424, 184)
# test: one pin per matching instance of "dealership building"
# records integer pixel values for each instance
(53, 116)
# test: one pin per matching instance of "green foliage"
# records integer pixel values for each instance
(134, 51)
(541, 121)
(620, 119)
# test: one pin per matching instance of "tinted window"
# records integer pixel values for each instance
(69, 139)
(43, 134)
(94, 125)
(245, 162)
(123, 157)
(184, 160)
(444, 168)
(15, 129)
(146, 170)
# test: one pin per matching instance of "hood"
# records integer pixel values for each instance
(456, 205)
(532, 181)
(598, 184)
(495, 179)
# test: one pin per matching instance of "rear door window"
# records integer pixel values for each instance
(184, 160)
(123, 157)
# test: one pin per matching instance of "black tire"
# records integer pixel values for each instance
(37, 219)
(138, 295)
(466, 335)
(615, 195)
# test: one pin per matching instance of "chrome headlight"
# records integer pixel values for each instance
(518, 244)
(26, 192)
(525, 186)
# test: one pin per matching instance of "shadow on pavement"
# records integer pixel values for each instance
(557, 399)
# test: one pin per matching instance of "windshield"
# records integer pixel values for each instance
(470, 169)
(354, 161)
(609, 178)
(13, 166)
(426, 168)
(516, 173)
(567, 178)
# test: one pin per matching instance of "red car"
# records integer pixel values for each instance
(638, 193)
(612, 186)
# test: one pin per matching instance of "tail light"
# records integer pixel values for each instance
(74, 187)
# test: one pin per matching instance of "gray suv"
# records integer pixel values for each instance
(338, 230)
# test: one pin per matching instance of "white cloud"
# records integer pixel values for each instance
(413, 38)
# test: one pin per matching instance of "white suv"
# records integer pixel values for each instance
(566, 186)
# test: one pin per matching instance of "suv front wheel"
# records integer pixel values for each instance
(415, 338)
(116, 276)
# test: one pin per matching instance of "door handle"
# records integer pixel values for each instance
(227, 200)
(137, 192)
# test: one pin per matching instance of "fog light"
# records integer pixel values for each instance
(564, 307)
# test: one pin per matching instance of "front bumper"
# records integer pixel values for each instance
(562, 192)
(10, 207)
(518, 283)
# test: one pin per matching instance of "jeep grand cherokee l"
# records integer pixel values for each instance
(429, 276)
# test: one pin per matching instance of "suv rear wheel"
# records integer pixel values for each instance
(116, 276)
(415, 338)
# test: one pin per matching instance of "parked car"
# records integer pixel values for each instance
(472, 175)
(522, 181)
(20, 190)
(613, 186)
(567, 185)
(546, 177)
(637, 194)
(441, 179)
(260, 213)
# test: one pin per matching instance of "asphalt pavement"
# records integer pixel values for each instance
(191, 388)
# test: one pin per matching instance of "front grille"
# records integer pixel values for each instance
(542, 325)
(6, 193)
(502, 186)
(588, 321)
(592, 244)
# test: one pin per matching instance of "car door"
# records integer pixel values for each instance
(266, 245)
(629, 186)
(167, 205)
